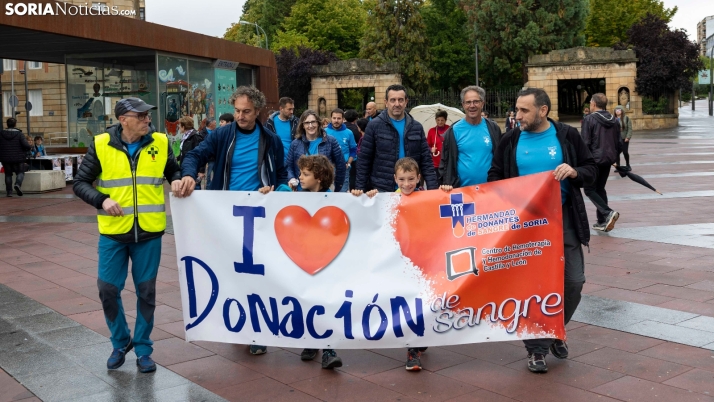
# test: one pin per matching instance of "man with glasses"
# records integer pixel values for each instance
(249, 156)
(129, 163)
(390, 136)
(469, 144)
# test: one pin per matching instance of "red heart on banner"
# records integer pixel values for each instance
(312, 242)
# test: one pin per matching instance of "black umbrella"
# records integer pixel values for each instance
(636, 178)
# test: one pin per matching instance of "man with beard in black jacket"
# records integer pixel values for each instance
(601, 134)
(541, 145)
(13, 153)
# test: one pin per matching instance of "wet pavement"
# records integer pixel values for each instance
(644, 330)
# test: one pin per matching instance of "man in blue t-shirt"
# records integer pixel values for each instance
(469, 144)
(346, 139)
(249, 156)
(284, 123)
(544, 145)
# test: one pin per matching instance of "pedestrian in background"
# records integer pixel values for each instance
(346, 138)
(601, 134)
(13, 155)
(190, 139)
(351, 117)
(284, 123)
(626, 133)
(435, 136)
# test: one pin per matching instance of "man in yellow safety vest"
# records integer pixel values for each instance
(129, 162)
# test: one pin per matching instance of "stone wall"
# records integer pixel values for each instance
(617, 67)
(353, 73)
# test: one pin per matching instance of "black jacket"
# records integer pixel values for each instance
(91, 167)
(449, 165)
(13, 146)
(193, 140)
(355, 131)
(575, 154)
(601, 134)
(270, 123)
(379, 153)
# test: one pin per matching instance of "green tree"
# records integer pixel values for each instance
(396, 32)
(508, 31)
(268, 14)
(451, 48)
(328, 25)
(608, 20)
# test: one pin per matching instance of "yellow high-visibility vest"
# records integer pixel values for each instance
(139, 191)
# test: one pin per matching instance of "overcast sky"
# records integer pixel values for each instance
(213, 17)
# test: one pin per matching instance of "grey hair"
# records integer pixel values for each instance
(252, 93)
(480, 91)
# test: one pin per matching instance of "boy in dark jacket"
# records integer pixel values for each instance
(540, 145)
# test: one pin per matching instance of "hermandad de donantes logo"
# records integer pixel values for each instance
(462, 261)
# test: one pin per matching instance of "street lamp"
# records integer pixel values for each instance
(256, 30)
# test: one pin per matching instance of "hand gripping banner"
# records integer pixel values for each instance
(317, 270)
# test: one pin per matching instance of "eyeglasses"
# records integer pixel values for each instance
(310, 123)
(473, 102)
(140, 116)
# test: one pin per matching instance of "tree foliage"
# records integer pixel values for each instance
(450, 45)
(608, 20)
(667, 59)
(268, 14)
(295, 70)
(330, 25)
(396, 32)
(508, 31)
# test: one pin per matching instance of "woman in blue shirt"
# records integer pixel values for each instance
(311, 139)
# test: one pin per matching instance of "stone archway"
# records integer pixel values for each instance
(352, 73)
(571, 75)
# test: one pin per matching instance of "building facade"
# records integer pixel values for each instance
(47, 85)
(705, 29)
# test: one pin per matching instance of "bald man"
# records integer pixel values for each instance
(371, 111)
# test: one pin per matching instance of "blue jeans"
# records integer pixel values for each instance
(113, 269)
(346, 184)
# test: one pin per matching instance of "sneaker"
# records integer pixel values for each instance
(308, 354)
(559, 349)
(610, 221)
(628, 168)
(18, 191)
(258, 350)
(536, 363)
(599, 226)
(145, 364)
(118, 356)
(413, 360)
(330, 359)
(9, 195)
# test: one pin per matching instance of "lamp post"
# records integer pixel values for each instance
(256, 30)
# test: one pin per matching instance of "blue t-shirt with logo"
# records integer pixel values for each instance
(282, 129)
(244, 169)
(399, 125)
(345, 138)
(540, 152)
(475, 151)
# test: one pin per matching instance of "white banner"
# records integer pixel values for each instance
(318, 270)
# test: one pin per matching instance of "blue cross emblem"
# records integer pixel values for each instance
(456, 210)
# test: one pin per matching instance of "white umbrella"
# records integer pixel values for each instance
(425, 114)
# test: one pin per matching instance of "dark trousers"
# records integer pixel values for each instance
(574, 277)
(625, 153)
(597, 193)
(11, 168)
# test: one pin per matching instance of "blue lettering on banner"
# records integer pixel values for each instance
(249, 214)
(319, 310)
(192, 290)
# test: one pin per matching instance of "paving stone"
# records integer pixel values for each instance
(65, 385)
(426, 386)
(264, 390)
(636, 389)
(44, 322)
(72, 337)
(672, 333)
(182, 393)
(632, 364)
(23, 308)
(696, 380)
(701, 323)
